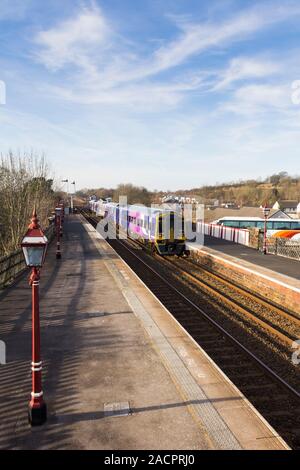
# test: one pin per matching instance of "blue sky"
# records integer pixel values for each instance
(168, 94)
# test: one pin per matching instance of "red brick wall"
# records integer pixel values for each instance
(281, 295)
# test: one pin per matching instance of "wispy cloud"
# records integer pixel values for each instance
(73, 40)
(114, 74)
(198, 38)
(219, 88)
(151, 95)
(245, 68)
(251, 100)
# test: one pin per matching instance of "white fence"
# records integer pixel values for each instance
(236, 235)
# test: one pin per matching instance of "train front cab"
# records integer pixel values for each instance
(165, 241)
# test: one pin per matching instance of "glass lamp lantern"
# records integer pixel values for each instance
(58, 211)
(34, 244)
(266, 211)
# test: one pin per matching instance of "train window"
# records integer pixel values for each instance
(260, 224)
(247, 224)
(231, 223)
(295, 225)
(270, 225)
(153, 226)
(160, 225)
(172, 221)
(282, 225)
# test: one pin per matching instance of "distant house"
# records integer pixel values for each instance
(172, 199)
(210, 216)
(230, 205)
(279, 214)
(212, 204)
(288, 207)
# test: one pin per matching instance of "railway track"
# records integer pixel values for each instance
(242, 359)
(283, 325)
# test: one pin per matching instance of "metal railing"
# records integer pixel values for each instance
(286, 247)
(13, 264)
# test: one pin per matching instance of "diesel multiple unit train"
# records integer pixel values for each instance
(162, 230)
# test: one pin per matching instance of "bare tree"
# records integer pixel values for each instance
(24, 182)
(135, 194)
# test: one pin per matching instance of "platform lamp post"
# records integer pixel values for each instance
(266, 212)
(72, 205)
(66, 181)
(62, 217)
(62, 205)
(58, 211)
(34, 246)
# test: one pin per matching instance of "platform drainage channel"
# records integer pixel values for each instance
(117, 409)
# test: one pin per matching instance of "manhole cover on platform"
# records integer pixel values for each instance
(117, 409)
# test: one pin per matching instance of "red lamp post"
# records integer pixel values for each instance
(72, 202)
(62, 217)
(266, 212)
(62, 206)
(58, 211)
(66, 181)
(34, 246)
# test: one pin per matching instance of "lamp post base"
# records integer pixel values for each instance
(58, 255)
(37, 415)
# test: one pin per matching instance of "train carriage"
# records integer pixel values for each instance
(160, 229)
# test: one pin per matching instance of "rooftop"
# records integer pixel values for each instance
(284, 204)
(211, 215)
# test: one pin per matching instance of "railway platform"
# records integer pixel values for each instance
(278, 264)
(273, 276)
(119, 372)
